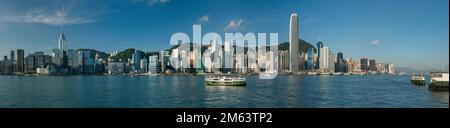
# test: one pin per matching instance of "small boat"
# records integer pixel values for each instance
(312, 73)
(151, 74)
(225, 80)
(418, 79)
(438, 81)
(338, 73)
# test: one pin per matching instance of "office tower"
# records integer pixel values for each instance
(136, 59)
(144, 65)
(182, 63)
(350, 65)
(97, 57)
(197, 58)
(62, 47)
(381, 68)
(62, 43)
(331, 62)
(340, 62)
(208, 62)
(153, 64)
(56, 56)
(239, 62)
(271, 63)
(72, 58)
(310, 59)
(62, 50)
(2, 66)
(252, 65)
(293, 44)
(302, 62)
(30, 66)
(86, 57)
(283, 60)
(40, 59)
(364, 64)
(390, 68)
(163, 60)
(319, 46)
(174, 59)
(79, 61)
(99, 65)
(356, 66)
(324, 59)
(36, 60)
(13, 59)
(6, 66)
(20, 60)
(372, 65)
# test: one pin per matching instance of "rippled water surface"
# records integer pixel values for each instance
(190, 91)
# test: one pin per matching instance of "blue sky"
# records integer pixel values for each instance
(408, 33)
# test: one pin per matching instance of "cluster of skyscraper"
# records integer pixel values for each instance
(84, 61)
(61, 61)
(325, 61)
(139, 63)
(321, 59)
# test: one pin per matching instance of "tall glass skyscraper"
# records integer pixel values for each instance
(372, 65)
(325, 59)
(293, 44)
(364, 64)
(137, 56)
(62, 46)
(13, 57)
(319, 46)
(340, 64)
(20, 60)
(310, 59)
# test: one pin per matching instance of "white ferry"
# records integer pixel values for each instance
(225, 80)
(418, 79)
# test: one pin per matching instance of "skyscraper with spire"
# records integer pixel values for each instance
(293, 44)
(319, 46)
(62, 46)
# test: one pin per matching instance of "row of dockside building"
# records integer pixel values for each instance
(322, 59)
(77, 62)
(139, 63)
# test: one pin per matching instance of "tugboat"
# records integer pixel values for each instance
(418, 79)
(225, 80)
(439, 81)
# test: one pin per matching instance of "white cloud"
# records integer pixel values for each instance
(204, 19)
(375, 42)
(57, 17)
(236, 24)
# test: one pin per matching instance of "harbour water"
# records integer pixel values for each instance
(190, 91)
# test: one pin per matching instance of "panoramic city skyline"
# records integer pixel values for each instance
(408, 37)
